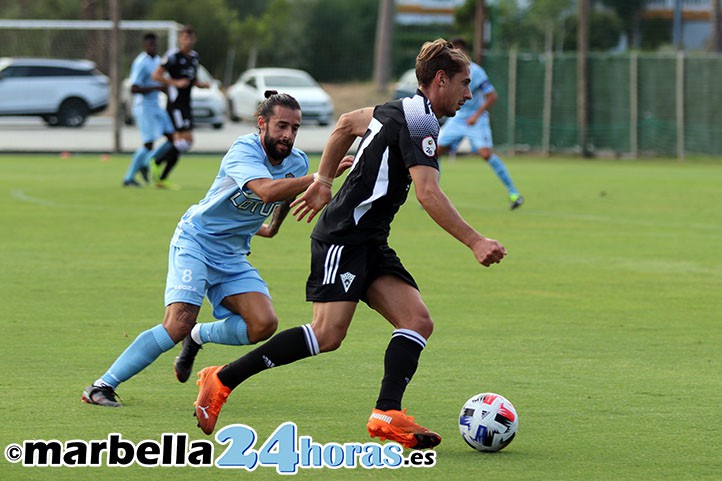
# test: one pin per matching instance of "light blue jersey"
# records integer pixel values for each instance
(480, 87)
(140, 74)
(222, 224)
(456, 128)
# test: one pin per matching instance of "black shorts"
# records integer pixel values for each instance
(344, 273)
(180, 115)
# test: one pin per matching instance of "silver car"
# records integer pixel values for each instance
(62, 92)
(247, 93)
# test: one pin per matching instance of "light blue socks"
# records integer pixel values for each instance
(231, 331)
(158, 153)
(500, 170)
(138, 161)
(140, 354)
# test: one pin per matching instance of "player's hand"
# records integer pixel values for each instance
(345, 163)
(181, 83)
(488, 251)
(312, 201)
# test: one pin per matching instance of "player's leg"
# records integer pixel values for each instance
(217, 382)
(186, 284)
(335, 297)
(147, 134)
(482, 143)
(241, 302)
(246, 319)
(142, 352)
(401, 304)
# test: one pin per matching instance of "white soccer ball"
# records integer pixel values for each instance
(488, 422)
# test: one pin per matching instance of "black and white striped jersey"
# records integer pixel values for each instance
(403, 133)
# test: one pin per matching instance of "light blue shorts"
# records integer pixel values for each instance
(153, 122)
(455, 129)
(192, 276)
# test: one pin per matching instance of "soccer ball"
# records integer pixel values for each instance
(488, 422)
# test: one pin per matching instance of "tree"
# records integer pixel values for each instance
(213, 21)
(629, 12)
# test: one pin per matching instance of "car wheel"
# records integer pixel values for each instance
(232, 113)
(218, 126)
(51, 120)
(127, 117)
(73, 112)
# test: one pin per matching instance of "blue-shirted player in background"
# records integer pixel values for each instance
(472, 122)
(258, 177)
(152, 120)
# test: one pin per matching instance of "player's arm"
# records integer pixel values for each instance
(144, 89)
(442, 211)
(277, 218)
(160, 75)
(349, 127)
(490, 99)
(275, 190)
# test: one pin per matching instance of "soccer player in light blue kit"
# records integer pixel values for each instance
(259, 176)
(152, 120)
(472, 122)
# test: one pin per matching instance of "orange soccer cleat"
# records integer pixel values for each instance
(212, 396)
(398, 426)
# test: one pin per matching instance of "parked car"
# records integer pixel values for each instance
(247, 93)
(208, 105)
(61, 91)
(407, 85)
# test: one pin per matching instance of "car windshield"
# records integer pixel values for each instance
(289, 81)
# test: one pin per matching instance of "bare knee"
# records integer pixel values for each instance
(421, 323)
(329, 339)
(261, 327)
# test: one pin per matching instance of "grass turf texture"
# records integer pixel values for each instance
(602, 325)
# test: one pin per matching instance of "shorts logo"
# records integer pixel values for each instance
(428, 145)
(347, 278)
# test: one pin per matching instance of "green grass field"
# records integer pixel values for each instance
(602, 325)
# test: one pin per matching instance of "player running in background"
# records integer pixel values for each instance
(178, 71)
(259, 175)
(151, 119)
(472, 122)
(350, 256)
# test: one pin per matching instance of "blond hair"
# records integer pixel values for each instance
(438, 55)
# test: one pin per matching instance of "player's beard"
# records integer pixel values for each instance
(271, 145)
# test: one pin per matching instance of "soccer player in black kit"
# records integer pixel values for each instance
(178, 72)
(350, 256)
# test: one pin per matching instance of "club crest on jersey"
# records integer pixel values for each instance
(428, 145)
(346, 279)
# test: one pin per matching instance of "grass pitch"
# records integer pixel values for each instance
(602, 325)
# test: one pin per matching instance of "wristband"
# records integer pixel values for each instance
(327, 181)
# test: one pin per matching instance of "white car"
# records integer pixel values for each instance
(407, 85)
(62, 92)
(208, 105)
(247, 93)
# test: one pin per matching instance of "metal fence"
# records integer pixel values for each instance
(638, 104)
